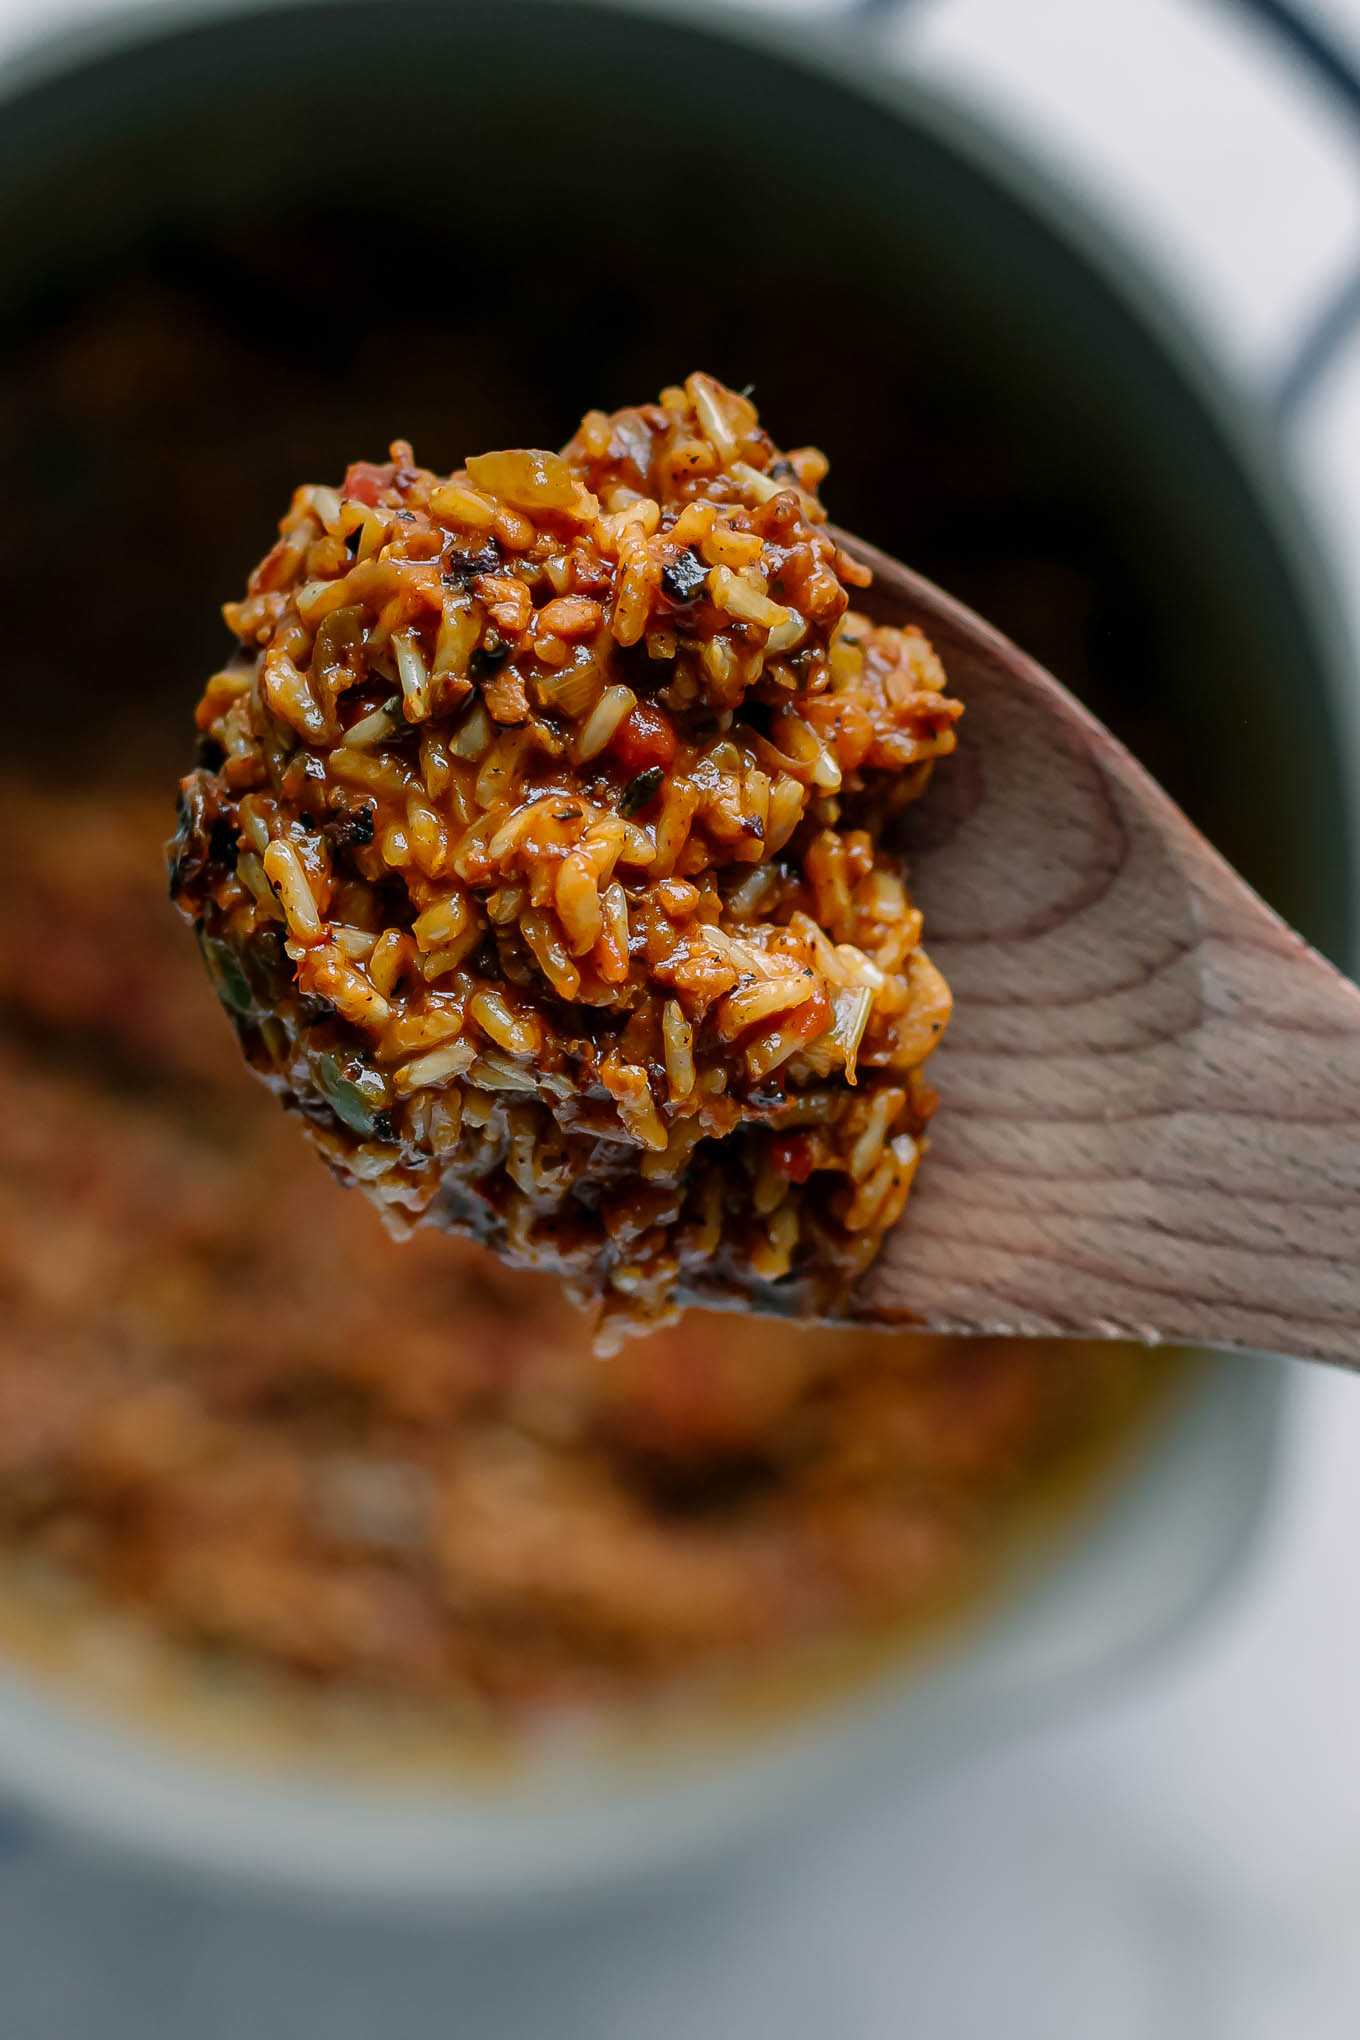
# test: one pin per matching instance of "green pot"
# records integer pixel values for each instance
(319, 226)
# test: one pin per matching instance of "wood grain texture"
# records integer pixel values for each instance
(1150, 1117)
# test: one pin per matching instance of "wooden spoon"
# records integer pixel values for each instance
(1150, 1117)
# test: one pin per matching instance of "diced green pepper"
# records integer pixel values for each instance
(227, 974)
(356, 1091)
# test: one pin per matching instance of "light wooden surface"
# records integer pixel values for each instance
(1150, 1117)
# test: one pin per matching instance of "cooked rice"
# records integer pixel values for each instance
(595, 751)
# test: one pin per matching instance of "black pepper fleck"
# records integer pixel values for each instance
(458, 565)
(685, 576)
(353, 831)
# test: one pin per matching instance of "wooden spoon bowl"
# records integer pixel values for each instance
(1150, 1118)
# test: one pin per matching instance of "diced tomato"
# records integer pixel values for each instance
(365, 482)
(809, 1020)
(791, 1156)
(644, 738)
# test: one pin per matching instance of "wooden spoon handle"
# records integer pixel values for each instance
(1254, 1228)
(1151, 1086)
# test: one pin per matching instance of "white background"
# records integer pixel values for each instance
(1185, 1862)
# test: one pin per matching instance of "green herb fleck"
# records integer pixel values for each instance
(641, 790)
